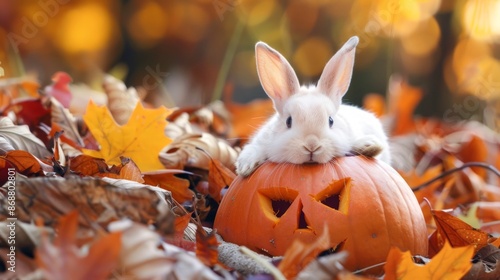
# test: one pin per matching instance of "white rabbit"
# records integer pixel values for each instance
(310, 124)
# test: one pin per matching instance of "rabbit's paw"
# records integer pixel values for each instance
(247, 163)
(368, 146)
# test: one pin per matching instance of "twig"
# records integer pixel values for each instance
(453, 170)
(276, 273)
(368, 268)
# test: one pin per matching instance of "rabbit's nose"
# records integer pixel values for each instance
(312, 148)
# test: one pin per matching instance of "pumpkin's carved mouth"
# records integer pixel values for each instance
(279, 203)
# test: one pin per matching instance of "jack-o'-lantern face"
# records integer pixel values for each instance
(365, 204)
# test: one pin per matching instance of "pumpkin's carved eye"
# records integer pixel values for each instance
(332, 201)
(280, 207)
(335, 195)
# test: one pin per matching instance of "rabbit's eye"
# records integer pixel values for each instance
(289, 122)
(330, 121)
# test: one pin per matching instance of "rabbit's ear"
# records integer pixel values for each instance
(336, 76)
(275, 74)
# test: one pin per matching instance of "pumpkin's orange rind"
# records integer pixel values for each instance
(365, 204)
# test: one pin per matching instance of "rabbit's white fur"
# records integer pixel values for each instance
(310, 137)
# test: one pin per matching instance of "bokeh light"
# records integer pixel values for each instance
(311, 56)
(78, 32)
(148, 24)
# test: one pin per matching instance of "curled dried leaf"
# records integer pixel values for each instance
(121, 101)
(185, 152)
(179, 126)
(64, 120)
(97, 200)
(140, 257)
(21, 138)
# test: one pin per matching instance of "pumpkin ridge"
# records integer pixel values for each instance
(379, 198)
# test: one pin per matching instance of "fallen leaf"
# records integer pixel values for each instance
(247, 118)
(30, 112)
(219, 177)
(167, 180)
(374, 103)
(63, 259)
(449, 263)
(486, 265)
(326, 267)
(187, 151)
(140, 257)
(458, 233)
(121, 101)
(87, 166)
(141, 139)
(97, 200)
(403, 99)
(206, 246)
(62, 119)
(26, 164)
(20, 138)
(299, 255)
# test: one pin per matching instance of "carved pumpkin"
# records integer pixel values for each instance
(366, 205)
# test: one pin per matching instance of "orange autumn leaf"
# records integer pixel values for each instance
(299, 255)
(404, 98)
(219, 177)
(140, 139)
(26, 164)
(63, 259)
(457, 232)
(206, 246)
(374, 103)
(167, 180)
(90, 166)
(130, 171)
(247, 118)
(449, 263)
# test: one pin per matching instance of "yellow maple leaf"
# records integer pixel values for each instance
(449, 263)
(140, 139)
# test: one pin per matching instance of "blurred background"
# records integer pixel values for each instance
(186, 52)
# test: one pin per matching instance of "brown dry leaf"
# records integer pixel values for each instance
(187, 151)
(90, 166)
(180, 225)
(167, 180)
(449, 263)
(299, 255)
(457, 232)
(64, 120)
(63, 259)
(487, 267)
(97, 200)
(140, 257)
(212, 118)
(219, 177)
(21, 138)
(178, 125)
(121, 101)
(87, 165)
(489, 213)
(27, 235)
(327, 267)
(206, 246)
(27, 164)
